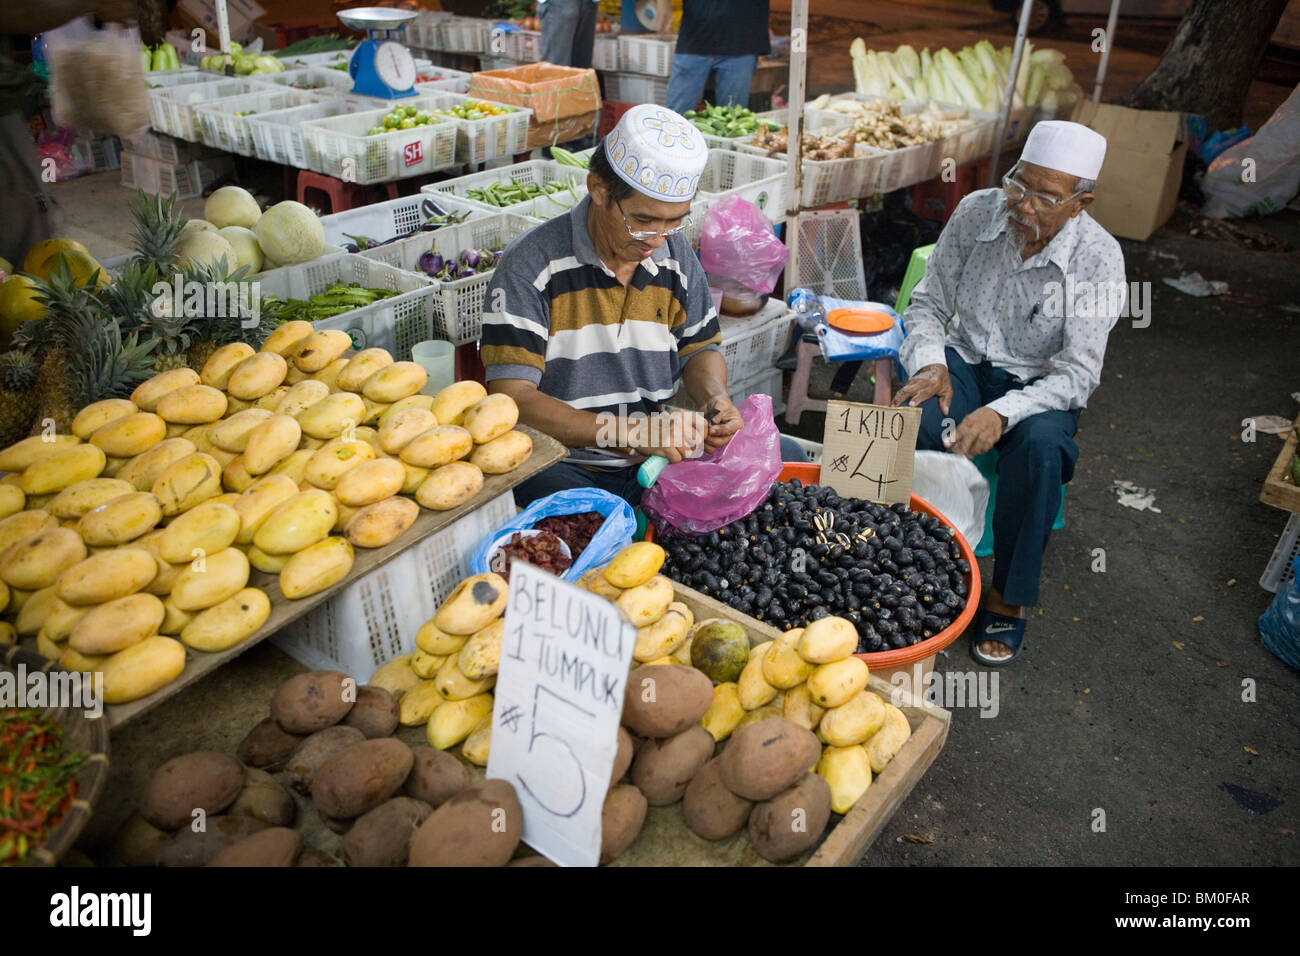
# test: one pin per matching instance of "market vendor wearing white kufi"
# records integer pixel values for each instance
(1005, 339)
(602, 313)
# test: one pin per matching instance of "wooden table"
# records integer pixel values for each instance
(665, 840)
(546, 452)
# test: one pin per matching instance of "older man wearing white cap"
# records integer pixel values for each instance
(595, 318)
(1005, 339)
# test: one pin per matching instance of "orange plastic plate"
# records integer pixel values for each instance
(859, 321)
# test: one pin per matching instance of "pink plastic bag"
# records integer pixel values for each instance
(703, 494)
(737, 242)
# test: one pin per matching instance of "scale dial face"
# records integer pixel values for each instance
(395, 66)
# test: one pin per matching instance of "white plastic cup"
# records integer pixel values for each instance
(438, 359)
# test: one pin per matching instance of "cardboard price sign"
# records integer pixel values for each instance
(868, 451)
(559, 699)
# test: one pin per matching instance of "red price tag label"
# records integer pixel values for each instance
(413, 153)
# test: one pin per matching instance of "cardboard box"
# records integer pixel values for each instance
(561, 130)
(1138, 185)
(551, 92)
(203, 14)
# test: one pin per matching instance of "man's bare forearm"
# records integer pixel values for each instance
(705, 377)
(563, 422)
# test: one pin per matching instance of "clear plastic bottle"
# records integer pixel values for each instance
(807, 307)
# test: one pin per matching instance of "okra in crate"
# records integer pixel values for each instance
(395, 323)
(349, 148)
(539, 188)
(457, 302)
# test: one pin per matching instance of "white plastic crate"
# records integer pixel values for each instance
(833, 180)
(393, 217)
(973, 143)
(102, 152)
(536, 171)
(183, 180)
(423, 30)
(751, 346)
(374, 619)
(646, 53)
(176, 105)
(488, 62)
(458, 304)
(395, 323)
(755, 178)
(338, 146)
(222, 126)
(830, 254)
(327, 60)
(448, 80)
(524, 46)
(145, 142)
(636, 88)
(1280, 569)
(278, 136)
(315, 79)
(483, 140)
(605, 54)
(464, 34)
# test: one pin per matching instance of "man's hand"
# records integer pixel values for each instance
(978, 432)
(679, 434)
(924, 385)
(725, 424)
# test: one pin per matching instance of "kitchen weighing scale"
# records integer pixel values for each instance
(380, 66)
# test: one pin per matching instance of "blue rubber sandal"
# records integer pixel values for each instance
(991, 626)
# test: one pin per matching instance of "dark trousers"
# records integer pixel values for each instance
(568, 32)
(1035, 458)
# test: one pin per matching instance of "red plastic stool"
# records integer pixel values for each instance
(341, 195)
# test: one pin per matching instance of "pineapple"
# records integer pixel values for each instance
(208, 332)
(157, 231)
(18, 372)
(103, 365)
(130, 298)
(173, 334)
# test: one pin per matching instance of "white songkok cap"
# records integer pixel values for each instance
(658, 152)
(1067, 147)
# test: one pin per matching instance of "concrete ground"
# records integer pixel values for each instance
(1128, 698)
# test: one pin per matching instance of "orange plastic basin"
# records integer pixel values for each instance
(810, 474)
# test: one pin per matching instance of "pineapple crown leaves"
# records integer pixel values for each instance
(225, 323)
(105, 365)
(157, 230)
(18, 370)
(130, 298)
(64, 299)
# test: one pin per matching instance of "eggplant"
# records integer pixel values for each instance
(431, 263)
(468, 257)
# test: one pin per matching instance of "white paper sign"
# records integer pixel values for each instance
(559, 700)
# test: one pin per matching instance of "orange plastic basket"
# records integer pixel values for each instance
(810, 474)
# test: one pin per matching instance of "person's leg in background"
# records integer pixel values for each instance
(628, 21)
(791, 450)
(731, 78)
(686, 85)
(559, 21)
(567, 475)
(29, 211)
(584, 35)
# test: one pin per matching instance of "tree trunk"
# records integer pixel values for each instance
(153, 18)
(1209, 65)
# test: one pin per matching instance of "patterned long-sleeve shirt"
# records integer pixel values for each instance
(1045, 319)
(556, 316)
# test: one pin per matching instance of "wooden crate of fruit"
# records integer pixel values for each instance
(1280, 487)
(665, 840)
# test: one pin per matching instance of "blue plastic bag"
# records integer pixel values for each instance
(839, 347)
(1279, 625)
(612, 537)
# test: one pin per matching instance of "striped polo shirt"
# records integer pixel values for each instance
(556, 316)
